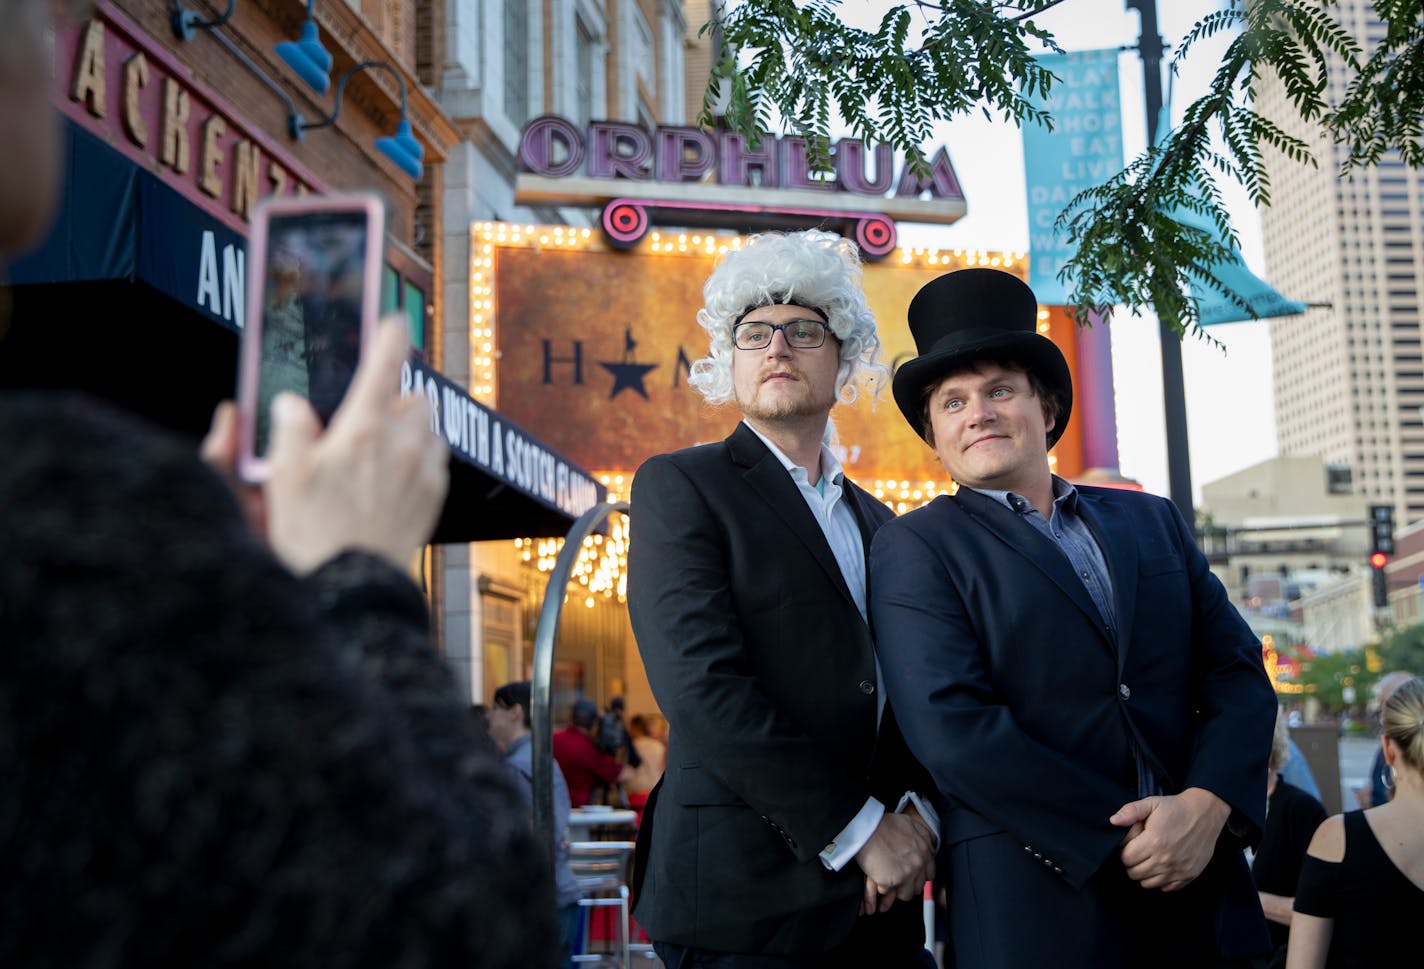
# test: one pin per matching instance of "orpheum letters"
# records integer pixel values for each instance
(557, 148)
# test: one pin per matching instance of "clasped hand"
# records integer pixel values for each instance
(897, 861)
(1170, 838)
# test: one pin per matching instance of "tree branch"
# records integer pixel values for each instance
(1047, 6)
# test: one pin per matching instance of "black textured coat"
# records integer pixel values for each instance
(205, 761)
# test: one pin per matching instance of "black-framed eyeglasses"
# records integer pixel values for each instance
(799, 334)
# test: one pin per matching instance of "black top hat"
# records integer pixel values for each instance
(977, 314)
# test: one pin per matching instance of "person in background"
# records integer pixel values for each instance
(613, 735)
(587, 767)
(1297, 772)
(224, 746)
(1361, 890)
(1292, 816)
(1378, 789)
(509, 726)
(652, 757)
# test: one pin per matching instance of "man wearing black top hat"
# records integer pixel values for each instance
(1066, 666)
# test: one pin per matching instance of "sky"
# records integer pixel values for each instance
(1230, 409)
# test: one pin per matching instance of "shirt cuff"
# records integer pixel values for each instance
(927, 812)
(853, 836)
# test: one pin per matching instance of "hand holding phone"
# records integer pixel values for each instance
(374, 480)
(314, 271)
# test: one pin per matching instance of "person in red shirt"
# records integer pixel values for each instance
(585, 765)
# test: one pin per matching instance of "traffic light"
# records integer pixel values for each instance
(1382, 529)
(1381, 548)
(1381, 587)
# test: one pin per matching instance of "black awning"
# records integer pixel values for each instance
(136, 297)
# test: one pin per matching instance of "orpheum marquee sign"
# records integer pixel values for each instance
(693, 176)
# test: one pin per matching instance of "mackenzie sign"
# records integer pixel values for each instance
(123, 86)
(564, 164)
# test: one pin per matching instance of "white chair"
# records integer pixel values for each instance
(601, 870)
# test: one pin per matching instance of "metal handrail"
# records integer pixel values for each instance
(545, 637)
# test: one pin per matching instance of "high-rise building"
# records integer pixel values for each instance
(1349, 375)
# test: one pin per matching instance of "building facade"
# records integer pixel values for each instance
(184, 130)
(493, 66)
(1282, 528)
(180, 117)
(1340, 615)
(1348, 376)
(1404, 575)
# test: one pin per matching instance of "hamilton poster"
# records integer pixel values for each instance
(594, 348)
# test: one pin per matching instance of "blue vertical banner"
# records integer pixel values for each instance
(1084, 149)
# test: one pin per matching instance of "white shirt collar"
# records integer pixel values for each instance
(831, 468)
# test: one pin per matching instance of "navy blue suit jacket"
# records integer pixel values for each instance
(1025, 705)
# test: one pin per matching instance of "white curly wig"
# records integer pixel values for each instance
(814, 269)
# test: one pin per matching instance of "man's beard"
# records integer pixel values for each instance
(780, 407)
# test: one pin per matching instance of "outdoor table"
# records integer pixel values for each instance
(583, 820)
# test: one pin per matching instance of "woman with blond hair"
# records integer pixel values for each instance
(1362, 886)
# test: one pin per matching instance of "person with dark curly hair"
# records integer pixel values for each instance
(222, 746)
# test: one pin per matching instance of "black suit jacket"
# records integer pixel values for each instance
(762, 664)
(1025, 706)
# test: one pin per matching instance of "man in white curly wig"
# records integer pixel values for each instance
(786, 831)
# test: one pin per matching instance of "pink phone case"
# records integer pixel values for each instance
(251, 466)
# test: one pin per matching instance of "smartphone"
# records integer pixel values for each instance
(313, 291)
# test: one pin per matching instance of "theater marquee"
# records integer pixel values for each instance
(593, 348)
(679, 175)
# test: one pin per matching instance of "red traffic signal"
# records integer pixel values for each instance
(1379, 560)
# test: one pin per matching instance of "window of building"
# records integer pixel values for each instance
(1337, 479)
(579, 41)
(398, 294)
(672, 89)
(587, 61)
(642, 52)
(413, 302)
(501, 628)
(390, 289)
(516, 61)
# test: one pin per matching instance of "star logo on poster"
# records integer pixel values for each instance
(628, 374)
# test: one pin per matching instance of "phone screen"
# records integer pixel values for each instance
(311, 315)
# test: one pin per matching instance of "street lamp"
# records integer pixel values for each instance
(306, 56)
(401, 147)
